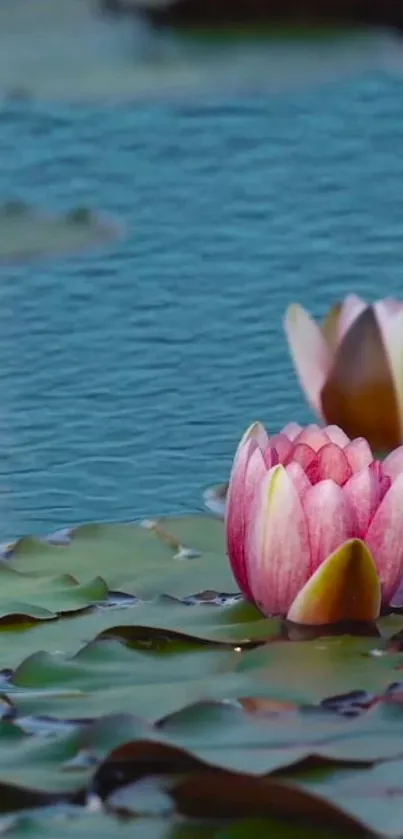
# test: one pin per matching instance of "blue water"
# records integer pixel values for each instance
(127, 376)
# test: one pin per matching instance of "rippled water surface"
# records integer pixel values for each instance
(128, 375)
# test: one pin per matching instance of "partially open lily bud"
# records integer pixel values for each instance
(313, 524)
(351, 367)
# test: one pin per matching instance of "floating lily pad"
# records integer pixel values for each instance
(160, 671)
(134, 678)
(26, 233)
(42, 599)
(61, 763)
(59, 50)
(137, 560)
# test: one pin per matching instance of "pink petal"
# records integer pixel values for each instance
(248, 469)
(393, 463)
(270, 456)
(351, 309)
(257, 432)
(359, 454)
(298, 476)
(255, 471)
(384, 481)
(337, 435)
(385, 539)
(283, 447)
(329, 520)
(394, 306)
(330, 462)
(303, 455)
(277, 545)
(291, 430)
(313, 436)
(363, 494)
(309, 352)
(386, 311)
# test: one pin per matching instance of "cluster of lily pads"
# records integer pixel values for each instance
(171, 679)
(138, 685)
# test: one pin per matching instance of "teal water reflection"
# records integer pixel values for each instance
(127, 377)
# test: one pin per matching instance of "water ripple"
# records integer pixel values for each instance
(126, 380)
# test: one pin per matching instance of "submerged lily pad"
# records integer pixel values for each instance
(27, 233)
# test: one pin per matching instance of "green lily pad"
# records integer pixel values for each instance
(42, 598)
(107, 677)
(157, 675)
(142, 561)
(154, 624)
(133, 670)
(62, 763)
(372, 796)
(225, 736)
(39, 579)
(204, 791)
(35, 764)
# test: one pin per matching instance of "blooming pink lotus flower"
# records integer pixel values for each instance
(351, 367)
(314, 525)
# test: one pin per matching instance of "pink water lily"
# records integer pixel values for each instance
(351, 366)
(314, 525)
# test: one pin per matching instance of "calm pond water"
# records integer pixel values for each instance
(127, 376)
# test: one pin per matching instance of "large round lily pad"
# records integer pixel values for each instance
(27, 233)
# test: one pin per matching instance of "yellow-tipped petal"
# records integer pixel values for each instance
(331, 327)
(346, 587)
